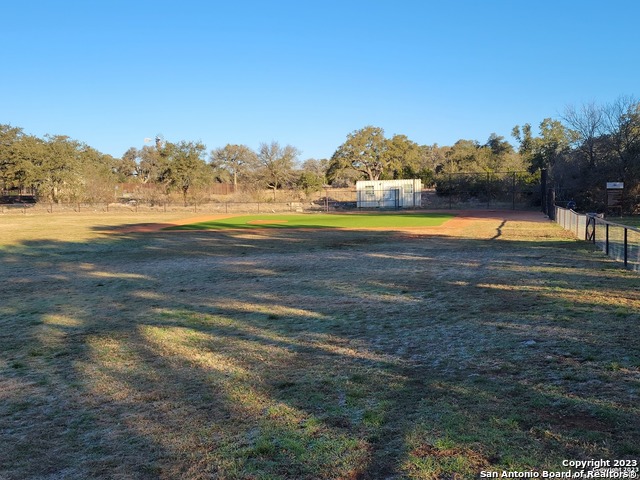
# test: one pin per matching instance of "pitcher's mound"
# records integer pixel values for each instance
(265, 222)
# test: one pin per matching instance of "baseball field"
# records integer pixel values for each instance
(420, 346)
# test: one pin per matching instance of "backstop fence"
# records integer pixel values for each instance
(617, 241)
(497, 190)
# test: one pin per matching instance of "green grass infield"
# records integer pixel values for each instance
(321, 221)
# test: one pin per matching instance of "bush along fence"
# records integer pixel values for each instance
(620, 242)
(503, 190)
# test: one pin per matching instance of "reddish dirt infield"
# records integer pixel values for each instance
(155, 227)
(462, 220)
(489, 222)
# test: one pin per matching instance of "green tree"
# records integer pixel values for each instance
(126, 168)
(543, 151)
(98, 173)
(553, 143)
(57, 170)
(501, 156)
(525, 139)
(237, 160)
(462, 157)
(364, 151)
(499, 146)
(152, 165)
(402, 157)
(340, 176)
(313, 175)
(14, 158)
(309, 182)
(185, 166)
(434, 159)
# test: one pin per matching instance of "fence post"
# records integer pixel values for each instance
(592, 236)
(488, 190)
(543, 189)
(606, 242)
(551, 204)
(626, 248)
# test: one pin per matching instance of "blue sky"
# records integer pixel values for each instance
(307, 73)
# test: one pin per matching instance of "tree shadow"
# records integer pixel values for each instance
(312, 355)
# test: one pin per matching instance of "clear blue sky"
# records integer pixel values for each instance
(307, 72)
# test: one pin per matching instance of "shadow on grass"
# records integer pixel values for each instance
(324, 354)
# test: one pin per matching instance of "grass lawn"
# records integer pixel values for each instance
(631, 221)
(502, 344)
(384, 220)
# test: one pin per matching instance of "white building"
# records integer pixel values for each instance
(389, 193)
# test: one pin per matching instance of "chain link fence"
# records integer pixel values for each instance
(513, 190)
(214, 208)
(575, 222)
(617, 241)
(497, 190)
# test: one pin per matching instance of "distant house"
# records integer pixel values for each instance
(389, 193)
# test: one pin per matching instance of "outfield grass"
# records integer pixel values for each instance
(384, 220)
(311, 354)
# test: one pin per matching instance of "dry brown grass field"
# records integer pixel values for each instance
(495, 342)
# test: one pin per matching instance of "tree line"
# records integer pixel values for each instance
(588, 147)
(581, 151)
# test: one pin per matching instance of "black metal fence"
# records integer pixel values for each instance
(620, 242)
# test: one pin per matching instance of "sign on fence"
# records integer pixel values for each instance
(614, 195)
